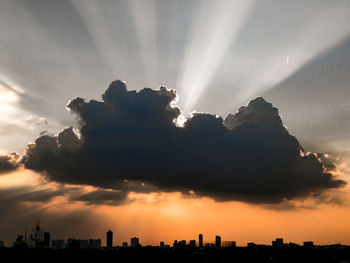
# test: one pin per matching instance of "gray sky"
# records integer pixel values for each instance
(217, 55)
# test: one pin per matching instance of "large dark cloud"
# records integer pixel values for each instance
(129, 142)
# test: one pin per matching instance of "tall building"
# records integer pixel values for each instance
(46, 239)
(218, 241)
(109, 239)
(200, 240)
(134, 241)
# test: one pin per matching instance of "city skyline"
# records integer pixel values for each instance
(39, 239)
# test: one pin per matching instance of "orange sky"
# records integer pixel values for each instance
(168, 216)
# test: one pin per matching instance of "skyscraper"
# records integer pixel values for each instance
(200, 240)
(109, 239)
(46, 239)
(218, 241)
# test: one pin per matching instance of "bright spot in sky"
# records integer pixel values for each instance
(180, 121)
(287, 60)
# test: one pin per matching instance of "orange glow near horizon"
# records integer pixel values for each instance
(167, 217)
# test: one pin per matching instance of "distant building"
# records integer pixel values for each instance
(175, 244)
(125, 244)
(109, 239)
(94, 243)
(161, 244)
(182, 243)
(308, 244)
(192, 243)
(218, 241)
(278, 242)
(228, 243)
(200, 239)
(83, 243)
(20, 242)
(73, 243)
(251, 244)
(290, 244)
(58, 244)
(47, 239)
(134, 242)
(2, 244)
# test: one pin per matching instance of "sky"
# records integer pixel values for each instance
(170, 163)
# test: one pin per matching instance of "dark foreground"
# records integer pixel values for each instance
(339, 254)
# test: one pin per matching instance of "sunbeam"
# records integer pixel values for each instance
(144, 17)
(94, 19)
(309, 43)
(215, 25)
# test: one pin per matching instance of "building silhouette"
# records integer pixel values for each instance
(58, 244)
(94, 243)
(278, 242)
(47, 239)
(200, 239)
(109, 239)
(134, 242)
(218, 241)
(182, 243)
(228, 243)
(308, 244)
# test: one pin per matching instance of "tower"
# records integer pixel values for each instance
(109, 239)
(46, 239)
(200, 241)
(218, 241)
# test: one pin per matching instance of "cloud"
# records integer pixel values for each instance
(30, 194)
(101, 196)
(9, 162)
(129, 142)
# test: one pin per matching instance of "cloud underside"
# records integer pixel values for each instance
(128, 142)
(9, 162)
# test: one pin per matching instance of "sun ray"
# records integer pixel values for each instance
(215, 25)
